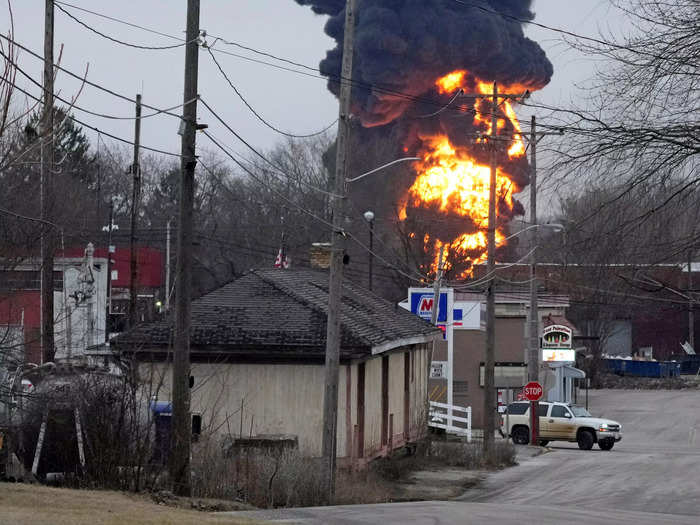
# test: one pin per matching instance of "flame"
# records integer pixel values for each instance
(454, 183)
(451, 82)
(451, 181)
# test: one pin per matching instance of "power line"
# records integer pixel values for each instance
(258, 154)
(293, 203)
(550, 28)
(261, 119)
(115, 137)
(88, 111)
(101, 15)
(88, 82)
(115, 40)
(313, 71)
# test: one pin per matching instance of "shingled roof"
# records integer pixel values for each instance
(282, 314)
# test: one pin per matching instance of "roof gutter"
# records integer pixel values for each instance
(406, 341)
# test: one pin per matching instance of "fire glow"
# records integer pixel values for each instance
(452, 183)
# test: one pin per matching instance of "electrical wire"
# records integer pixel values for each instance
(311, 71)
(88, 82)
(115, 40)
(255, 177)
(88, 111)
(93, 128)
(300, 208)
(257, 115)
(32, 219)
(260, 155)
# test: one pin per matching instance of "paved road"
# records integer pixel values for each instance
(651, 477)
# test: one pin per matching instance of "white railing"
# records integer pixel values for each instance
(442, 415)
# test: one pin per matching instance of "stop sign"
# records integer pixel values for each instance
(533, 391)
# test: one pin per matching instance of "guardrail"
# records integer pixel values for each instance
(442, 415)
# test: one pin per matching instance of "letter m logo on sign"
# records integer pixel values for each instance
(425, 307)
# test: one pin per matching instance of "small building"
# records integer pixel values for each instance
(465, 321)
(80, 289)
(258, 353)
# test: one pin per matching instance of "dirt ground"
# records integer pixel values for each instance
(22, 504)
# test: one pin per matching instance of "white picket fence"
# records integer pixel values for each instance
(440, 416)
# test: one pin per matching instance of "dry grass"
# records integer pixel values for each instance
(37, 505)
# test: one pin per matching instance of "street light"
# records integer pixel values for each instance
(375, 170)
(555, 226)
(369, 217)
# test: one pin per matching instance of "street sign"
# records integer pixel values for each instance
(557, 336)
(438, 370)
(533, 391)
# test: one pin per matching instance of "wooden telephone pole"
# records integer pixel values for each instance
(181, 438)
(135, 202)
(490, 352)
(46, 136)
(335, 286)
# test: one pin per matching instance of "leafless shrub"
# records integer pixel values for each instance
(261, 477)
(470, 455)
(115, 426)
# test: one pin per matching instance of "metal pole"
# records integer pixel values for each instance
(330, 397)
(371, 251)
(489, 358)
(436, 288)
(167, 267)
(135, 201)
(181, 423)
(436, 304)
(691, 313)
(110, 253)
(47, 153)
(533, 330)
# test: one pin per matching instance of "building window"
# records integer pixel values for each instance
(506, 375)
(196, 426)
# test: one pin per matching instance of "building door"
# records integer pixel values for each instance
(360, 410)
(385, 400)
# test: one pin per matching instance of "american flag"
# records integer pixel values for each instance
(282, 260)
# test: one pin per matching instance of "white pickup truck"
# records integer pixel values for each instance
(560, 422)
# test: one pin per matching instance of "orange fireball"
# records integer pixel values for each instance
(452, 183)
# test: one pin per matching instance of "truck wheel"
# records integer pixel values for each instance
(521, 436)
(585, 440)
(606, 444)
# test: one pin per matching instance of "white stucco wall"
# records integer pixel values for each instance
(255, 399)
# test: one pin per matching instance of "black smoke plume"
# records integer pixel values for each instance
(403, 46)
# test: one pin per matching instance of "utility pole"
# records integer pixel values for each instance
(135, 202)
(181, 423)
(47, 160)
(533, 347)
(533, 351)
(490, 354)
(335, 285)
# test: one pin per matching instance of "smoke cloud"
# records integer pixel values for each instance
(401, 48)
(404, 46)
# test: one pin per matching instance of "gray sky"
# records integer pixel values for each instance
(292, 102)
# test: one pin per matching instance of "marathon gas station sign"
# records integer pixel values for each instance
(556, 344)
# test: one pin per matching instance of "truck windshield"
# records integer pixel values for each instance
(580, 412)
